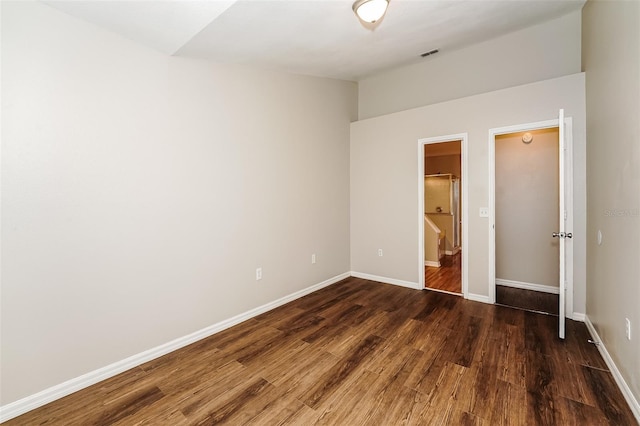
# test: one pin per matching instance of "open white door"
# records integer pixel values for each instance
(562, 234)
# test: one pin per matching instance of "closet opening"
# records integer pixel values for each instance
(526, 211)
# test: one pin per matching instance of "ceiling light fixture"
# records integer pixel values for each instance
(370, 11)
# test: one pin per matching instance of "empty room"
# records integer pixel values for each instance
(320, 212)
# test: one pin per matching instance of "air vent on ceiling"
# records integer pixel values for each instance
(431, 52)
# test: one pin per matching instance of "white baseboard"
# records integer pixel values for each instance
(578, 316)
(432, 263)
(478, 297)
(53, 393)
(386, 280)
(453, 252)
(528, 286)
(622, 384)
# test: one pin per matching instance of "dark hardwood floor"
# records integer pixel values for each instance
(447, 277)
(361, 352)
(536, 301)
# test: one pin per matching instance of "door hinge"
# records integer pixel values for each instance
(565, 215)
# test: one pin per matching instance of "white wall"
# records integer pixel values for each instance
(140, 192)
(527, 208)
(384, 176)
(611, 60)
(540, 52)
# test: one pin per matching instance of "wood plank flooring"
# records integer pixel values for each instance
(361, 352)
(448, 276)
(530, 300)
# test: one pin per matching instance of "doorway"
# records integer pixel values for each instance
(527, 204)
(526, 232)
(442, 231)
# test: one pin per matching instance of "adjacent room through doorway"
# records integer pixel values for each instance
(442, 216)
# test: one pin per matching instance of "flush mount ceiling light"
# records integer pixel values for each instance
(370, 11)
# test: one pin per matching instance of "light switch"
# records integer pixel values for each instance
(484, 211)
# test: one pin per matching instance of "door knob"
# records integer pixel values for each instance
(562, 235)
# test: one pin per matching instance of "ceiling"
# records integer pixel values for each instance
(314, 37)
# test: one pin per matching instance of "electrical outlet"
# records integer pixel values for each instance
(627, 328)
(258, 274)
(484, 211)
(313, 258)
(380, 252)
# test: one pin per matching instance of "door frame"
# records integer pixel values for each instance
(568, 122)
(464, 188)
